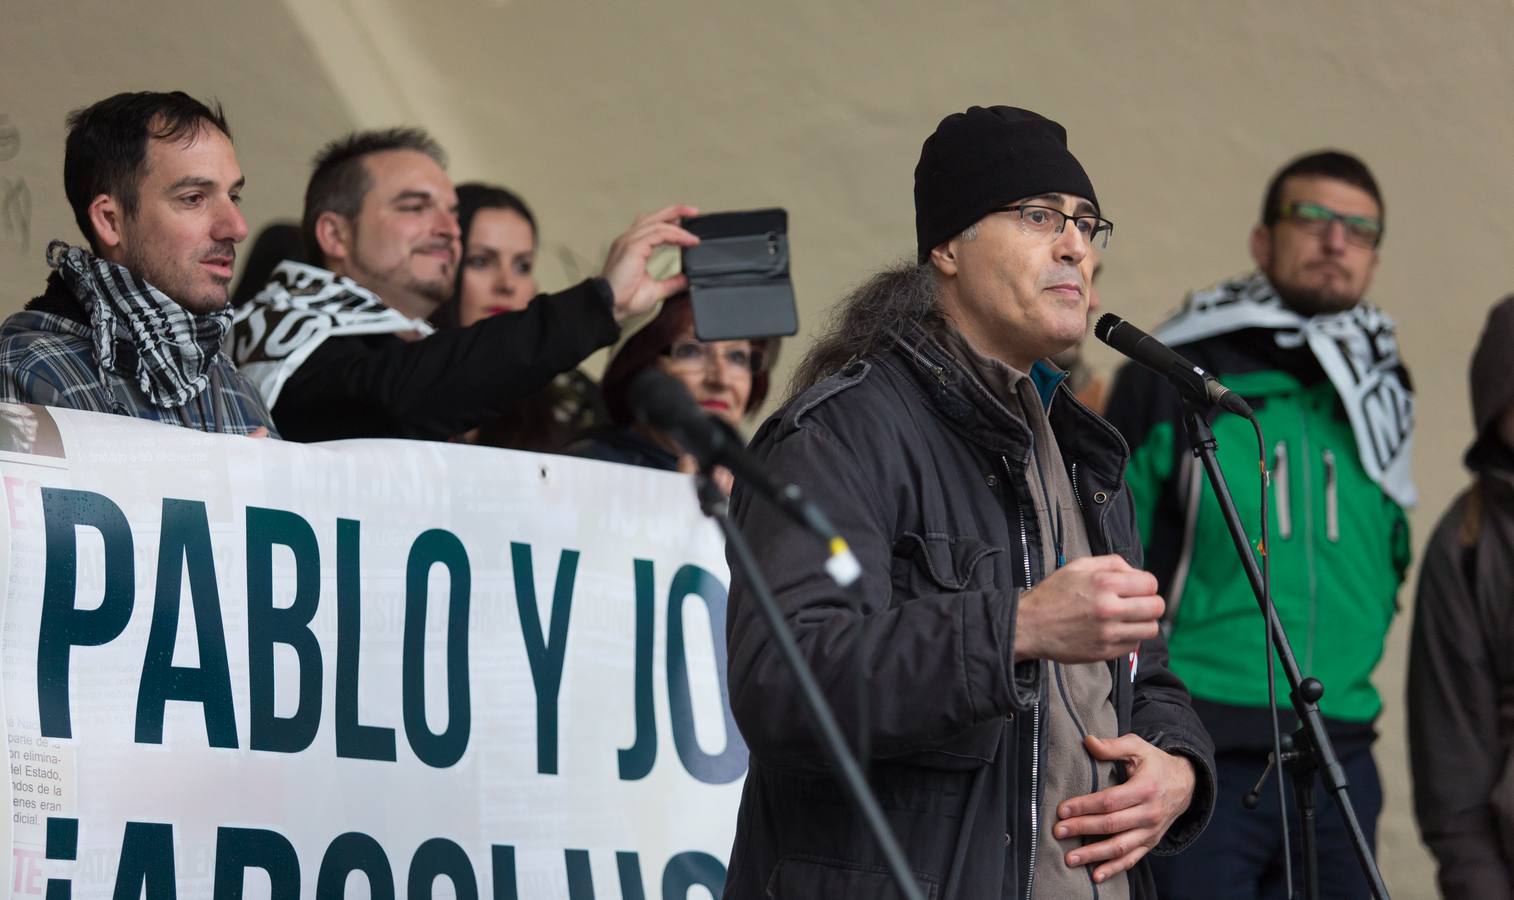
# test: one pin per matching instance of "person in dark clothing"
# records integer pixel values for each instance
(1027, 738)
(277, 242)
(344, 349)
(1461, 672)
(496, 276)
(728, 379)
(134, 324)
(1319, 364)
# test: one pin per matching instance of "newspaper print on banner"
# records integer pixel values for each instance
(314, 670)
(1358, 350)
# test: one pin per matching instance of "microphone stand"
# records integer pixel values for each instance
(1313, 752)
(714, 504)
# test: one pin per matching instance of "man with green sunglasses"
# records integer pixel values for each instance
(1320, 366)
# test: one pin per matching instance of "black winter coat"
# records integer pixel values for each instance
(379, 386)
(925, 476)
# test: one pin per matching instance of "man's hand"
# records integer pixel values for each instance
(1092, 609)
(1135, 815)
(259, 432)
(625, 268)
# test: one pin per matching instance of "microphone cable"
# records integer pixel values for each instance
(1269, 615)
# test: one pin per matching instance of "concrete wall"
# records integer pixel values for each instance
(56, 57)
(598, 111)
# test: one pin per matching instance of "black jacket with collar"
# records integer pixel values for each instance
(925, 476)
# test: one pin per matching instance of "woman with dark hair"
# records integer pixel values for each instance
(728, 379)
(496, 276)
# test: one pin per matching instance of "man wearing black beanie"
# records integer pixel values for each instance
(1027, 737)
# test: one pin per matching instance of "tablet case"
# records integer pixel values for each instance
(739, 275)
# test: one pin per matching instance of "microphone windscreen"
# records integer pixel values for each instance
(1106, 325)
(660, 400)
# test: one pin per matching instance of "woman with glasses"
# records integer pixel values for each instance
(496, 275)
(728, 379)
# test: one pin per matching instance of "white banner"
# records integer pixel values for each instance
(244, 668)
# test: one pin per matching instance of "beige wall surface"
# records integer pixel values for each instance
(597, 111)
(56, 57)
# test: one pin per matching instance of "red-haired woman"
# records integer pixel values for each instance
(728, 379)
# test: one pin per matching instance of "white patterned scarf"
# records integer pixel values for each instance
(1357, 348)
(174, 348)
(300, 308)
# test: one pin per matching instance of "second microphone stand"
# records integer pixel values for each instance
(1312, 752)
(715, 505)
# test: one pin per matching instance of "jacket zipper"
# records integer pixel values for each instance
(1035, 720)
(1190, 504)
(1308, 538)
(1332, 508)
(1280, 478)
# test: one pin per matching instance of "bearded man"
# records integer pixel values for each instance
(133, 325)
(344, 349)
(1320, 366)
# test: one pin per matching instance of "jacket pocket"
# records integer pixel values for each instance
(932, 563)
(821, 878)
(1282, 499)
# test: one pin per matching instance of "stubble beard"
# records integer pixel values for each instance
(1310, 301)
(399, 279)
(177, 284)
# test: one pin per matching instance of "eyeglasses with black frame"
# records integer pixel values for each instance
(1363, 231)
(1048, 221)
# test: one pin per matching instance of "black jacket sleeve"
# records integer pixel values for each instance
(1163, 715)
(449, 382)
(1454, 751)
(937, 665)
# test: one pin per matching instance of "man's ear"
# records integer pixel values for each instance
(333, 236)
(944, 257)
(107, 219)
(1261, 246)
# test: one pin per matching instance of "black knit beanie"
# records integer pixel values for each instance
(984, 159)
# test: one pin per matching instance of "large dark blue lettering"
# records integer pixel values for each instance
(355, 852)
(438, 858)
(354, 740)
(636, 761)
(580, 877)
(731, 762)
(240, 849)
(546, 654)
(185, 545)
(502, 864)
(268, 625)
(146, 863)
(438, 750)
(692, 868)
(63, 625)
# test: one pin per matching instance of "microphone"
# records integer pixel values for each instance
(660, 401)
(1193, 383)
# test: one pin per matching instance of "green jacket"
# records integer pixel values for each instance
(1339, 545)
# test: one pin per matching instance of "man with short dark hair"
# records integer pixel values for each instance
(1027, 738)
(1320, 366)
(342, 349)
(134, 325)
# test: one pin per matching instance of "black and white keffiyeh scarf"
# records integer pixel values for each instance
(174, 347)
(295, 313)
(1357, 348)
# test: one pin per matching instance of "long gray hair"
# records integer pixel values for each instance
(869, 319)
